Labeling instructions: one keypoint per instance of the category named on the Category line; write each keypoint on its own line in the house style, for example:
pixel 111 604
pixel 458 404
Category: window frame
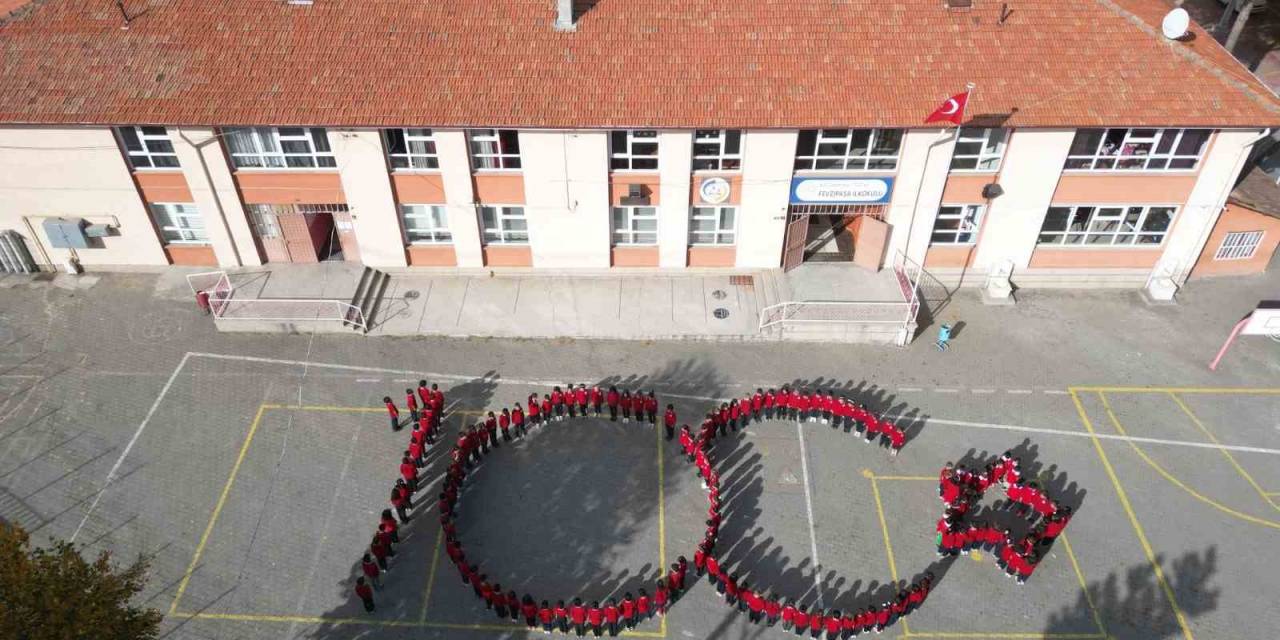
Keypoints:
pixel 975 222
pixel 721 157
pixel 1086 231
pixel 173 213
pixel 629 234
pixel 498 235
pixel 845 159
pixel 320 160
pixel 718 218
pixel 143 137
pixel 507 159
pixel 1250 240
pixel 431 158
pixel 434 234
pixel 628 155
pixel 1099 156
pixel 983 154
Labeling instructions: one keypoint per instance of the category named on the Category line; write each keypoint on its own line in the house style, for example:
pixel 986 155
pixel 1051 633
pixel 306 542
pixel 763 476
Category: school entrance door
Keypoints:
pixel 835 233
pixel 303 232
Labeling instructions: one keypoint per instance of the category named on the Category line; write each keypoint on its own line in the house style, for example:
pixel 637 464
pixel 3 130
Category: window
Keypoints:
pixel 713 225
pixel 957 224
pixel 504 225
pixel 494 148
pixel 279 148
pixel 1091 225
pixel 1136 149
pixel 633 150
pixel 411 149
pixel 717 150
pixel 635 225
pixel 978 149
pixel 426 223
pixel 179 223
pixel 148 147
pixel 848 149
pixel 1239 245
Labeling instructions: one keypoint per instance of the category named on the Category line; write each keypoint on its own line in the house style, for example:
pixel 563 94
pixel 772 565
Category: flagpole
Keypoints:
pixel 906 246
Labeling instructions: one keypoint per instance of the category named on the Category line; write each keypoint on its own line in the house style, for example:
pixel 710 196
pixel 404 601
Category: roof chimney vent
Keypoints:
pixel 959 4
pixel 564 15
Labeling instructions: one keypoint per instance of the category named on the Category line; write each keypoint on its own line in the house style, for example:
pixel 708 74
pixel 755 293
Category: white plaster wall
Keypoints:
pixel 204 165
pixel 362 168
pixel 566 192
pixel 675 169
pixel 1195 219
pixel 917 191
pixel 768 158
pixel 74 172
pixel 1032 164
pixel 459 196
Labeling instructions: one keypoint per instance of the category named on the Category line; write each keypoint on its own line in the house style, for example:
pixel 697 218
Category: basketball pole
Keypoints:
pixel 1213 366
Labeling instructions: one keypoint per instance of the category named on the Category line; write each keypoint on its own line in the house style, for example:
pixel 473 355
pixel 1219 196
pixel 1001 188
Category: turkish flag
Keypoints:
pixel 951 110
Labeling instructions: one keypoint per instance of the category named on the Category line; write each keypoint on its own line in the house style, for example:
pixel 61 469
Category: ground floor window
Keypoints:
pixel 713 225
pixel 957 224
pixel 504 225
pixel 1106 226
pixel 635 225
pixel 1239 245
pixel 426 224
pixel 179 223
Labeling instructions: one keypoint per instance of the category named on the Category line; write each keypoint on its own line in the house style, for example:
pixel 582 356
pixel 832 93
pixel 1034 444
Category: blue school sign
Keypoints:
pixel 841 190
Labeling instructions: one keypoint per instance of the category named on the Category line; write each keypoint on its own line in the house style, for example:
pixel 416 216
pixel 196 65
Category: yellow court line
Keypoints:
pixel 888 546
pixel 879 477
pixel 662 520
pixel 1230 458
pixel 217 509
pixel 1084 587
pixel 431 576
pixel 1176 482
pixel 374 622
pixel 1133 517
pixel 1260 391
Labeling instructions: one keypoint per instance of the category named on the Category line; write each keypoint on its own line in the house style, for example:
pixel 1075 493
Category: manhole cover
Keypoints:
pixel 718 294
pixel 411 294
pixel 721 313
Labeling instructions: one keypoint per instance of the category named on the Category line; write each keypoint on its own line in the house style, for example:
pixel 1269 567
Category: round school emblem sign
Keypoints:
pixel 714 190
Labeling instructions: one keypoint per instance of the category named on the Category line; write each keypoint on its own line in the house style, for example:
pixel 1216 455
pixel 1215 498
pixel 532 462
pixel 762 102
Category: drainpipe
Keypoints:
pixel 213 190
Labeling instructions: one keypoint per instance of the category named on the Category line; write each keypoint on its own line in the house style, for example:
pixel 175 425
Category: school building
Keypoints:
pixel 616 134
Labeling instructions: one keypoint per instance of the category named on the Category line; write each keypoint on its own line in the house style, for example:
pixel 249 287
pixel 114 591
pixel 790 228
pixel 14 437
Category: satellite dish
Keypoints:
pixel 1175 23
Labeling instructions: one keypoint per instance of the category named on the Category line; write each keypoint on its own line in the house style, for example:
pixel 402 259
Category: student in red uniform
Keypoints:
pixel 562 616
pixel 730 589
pixel 638 402
pixel 612 616
pixel 772 609
pixel 595 618
pixel 546 617
pixel 371 571
pixel 669 421
pixel 557 403
pixel 651 408
pixel 365 594
pixel 582 396
pixel 735 413
pixel 613 399
pixel 401 501
pixel 393 412
pixel 755 606
pixel 801 620
pixel 546 408
pixel 529 610
pixel 534 412
pixel 597 399
pixel 628 611
pixel 482 435
pixel 388 524
pixel 504 423
pixel 644 605
pixel 409 471
pixel 517 419
pixel 661 597
pixel 578 614
pixel 626 406
pixel 491 425
pixel 415 449
pixel 770 403
pixel 570 402
pixel 788 615
pixel 816 621
pixel 713 571
pixel 832 624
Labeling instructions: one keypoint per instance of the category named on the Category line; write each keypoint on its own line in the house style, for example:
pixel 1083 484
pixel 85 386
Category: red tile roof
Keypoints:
pixel 659 63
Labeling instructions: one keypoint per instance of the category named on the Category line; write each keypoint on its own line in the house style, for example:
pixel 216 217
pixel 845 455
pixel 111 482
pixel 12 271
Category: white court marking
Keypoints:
pixel 808 507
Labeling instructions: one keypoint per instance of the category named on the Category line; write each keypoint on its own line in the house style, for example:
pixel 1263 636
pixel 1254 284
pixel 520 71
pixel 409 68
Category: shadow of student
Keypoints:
pixel 1132 604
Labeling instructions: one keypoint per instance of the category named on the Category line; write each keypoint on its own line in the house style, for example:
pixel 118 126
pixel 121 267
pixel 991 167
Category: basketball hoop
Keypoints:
pixel 1262 321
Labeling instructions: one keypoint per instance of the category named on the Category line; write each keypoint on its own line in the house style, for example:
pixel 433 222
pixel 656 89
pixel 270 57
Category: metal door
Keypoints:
pixel 266 228
pixel 347 235
pixel 870 242
pixel 297 237
pixel 797 236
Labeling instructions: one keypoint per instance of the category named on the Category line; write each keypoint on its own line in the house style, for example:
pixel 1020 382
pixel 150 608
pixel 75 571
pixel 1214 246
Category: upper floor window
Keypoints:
pixel 504 225
pixel 148 147
pixel 1136 149
pixel 179 223
pixel 494 148
pixel 635 225
pixel 411 149
pixel 426 223
pixel 1092 225
pixel 279 147
pixel 957 224
pixel 717 150
pixel 978 149
pixel 633 150
pixel 848 149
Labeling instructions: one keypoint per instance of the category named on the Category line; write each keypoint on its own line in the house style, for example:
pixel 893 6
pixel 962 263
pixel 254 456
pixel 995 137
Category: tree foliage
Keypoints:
pixel 55 594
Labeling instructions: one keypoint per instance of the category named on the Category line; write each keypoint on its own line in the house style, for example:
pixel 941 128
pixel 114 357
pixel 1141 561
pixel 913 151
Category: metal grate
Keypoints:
pixel 1239 245
pixel 742 281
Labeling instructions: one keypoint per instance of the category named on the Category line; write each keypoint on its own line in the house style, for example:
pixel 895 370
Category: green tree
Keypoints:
pixel 55 594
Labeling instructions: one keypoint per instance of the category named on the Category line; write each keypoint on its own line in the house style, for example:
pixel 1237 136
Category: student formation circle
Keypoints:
pixel 959 530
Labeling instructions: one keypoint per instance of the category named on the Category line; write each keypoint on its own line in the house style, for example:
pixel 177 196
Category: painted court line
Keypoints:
pixel 111 475
pixel 1230 458
pixel 808 507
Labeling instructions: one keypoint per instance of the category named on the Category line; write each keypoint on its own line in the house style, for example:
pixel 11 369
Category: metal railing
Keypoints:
pixel 293 310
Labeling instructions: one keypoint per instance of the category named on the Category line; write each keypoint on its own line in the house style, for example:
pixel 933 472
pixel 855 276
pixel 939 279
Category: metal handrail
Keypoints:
pixel 346 311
